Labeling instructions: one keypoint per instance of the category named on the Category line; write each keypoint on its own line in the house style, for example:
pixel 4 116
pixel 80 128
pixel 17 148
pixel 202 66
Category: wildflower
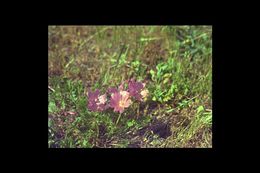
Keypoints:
pixel 120 100
pixel 96 102
pixel 135 89
pixel 102 102
pixel 102 99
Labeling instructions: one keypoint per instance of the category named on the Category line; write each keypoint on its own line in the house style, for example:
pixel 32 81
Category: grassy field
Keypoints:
pixel 171 64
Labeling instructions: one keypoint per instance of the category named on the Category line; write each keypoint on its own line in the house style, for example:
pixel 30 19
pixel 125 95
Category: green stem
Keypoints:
pixel 118 118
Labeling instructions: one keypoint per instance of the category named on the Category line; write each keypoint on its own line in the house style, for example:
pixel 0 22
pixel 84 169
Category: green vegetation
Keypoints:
pixel 174 62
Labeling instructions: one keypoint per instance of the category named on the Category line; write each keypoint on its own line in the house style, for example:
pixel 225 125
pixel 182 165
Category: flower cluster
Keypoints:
pixel 120 98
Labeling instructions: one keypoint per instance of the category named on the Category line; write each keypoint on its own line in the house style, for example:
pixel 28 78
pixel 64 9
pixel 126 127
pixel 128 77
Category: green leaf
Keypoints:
pixel 52 107
pixel 165 99
pixel 85 142
pixel 171 91
pixel 200 109
pixel 135 63
pixel 170 110
pixel 63 104
pixel 49 123
pixel 165 80
pixel 148 39
pixel 71 61
pixel 153 74
pixel 167 75
pixel 130 123
pixel 113 60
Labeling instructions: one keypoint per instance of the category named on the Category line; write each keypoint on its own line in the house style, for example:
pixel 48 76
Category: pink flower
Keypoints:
pixel 96 102
pixel 102 99
pixel 120 100
pixel 112 90
pixel 102 102
pixel 135 89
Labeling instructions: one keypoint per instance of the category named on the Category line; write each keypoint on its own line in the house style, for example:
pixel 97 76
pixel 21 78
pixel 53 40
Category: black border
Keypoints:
pixel 219 98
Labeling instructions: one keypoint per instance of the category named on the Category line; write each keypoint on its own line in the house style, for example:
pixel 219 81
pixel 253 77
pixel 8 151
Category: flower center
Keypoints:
pixel 121 104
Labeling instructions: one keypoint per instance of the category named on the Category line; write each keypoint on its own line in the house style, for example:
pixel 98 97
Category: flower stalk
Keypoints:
pixel 118 118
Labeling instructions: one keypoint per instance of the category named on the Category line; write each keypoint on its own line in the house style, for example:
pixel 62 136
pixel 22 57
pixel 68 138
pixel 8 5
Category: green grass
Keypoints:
pixel 176 63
